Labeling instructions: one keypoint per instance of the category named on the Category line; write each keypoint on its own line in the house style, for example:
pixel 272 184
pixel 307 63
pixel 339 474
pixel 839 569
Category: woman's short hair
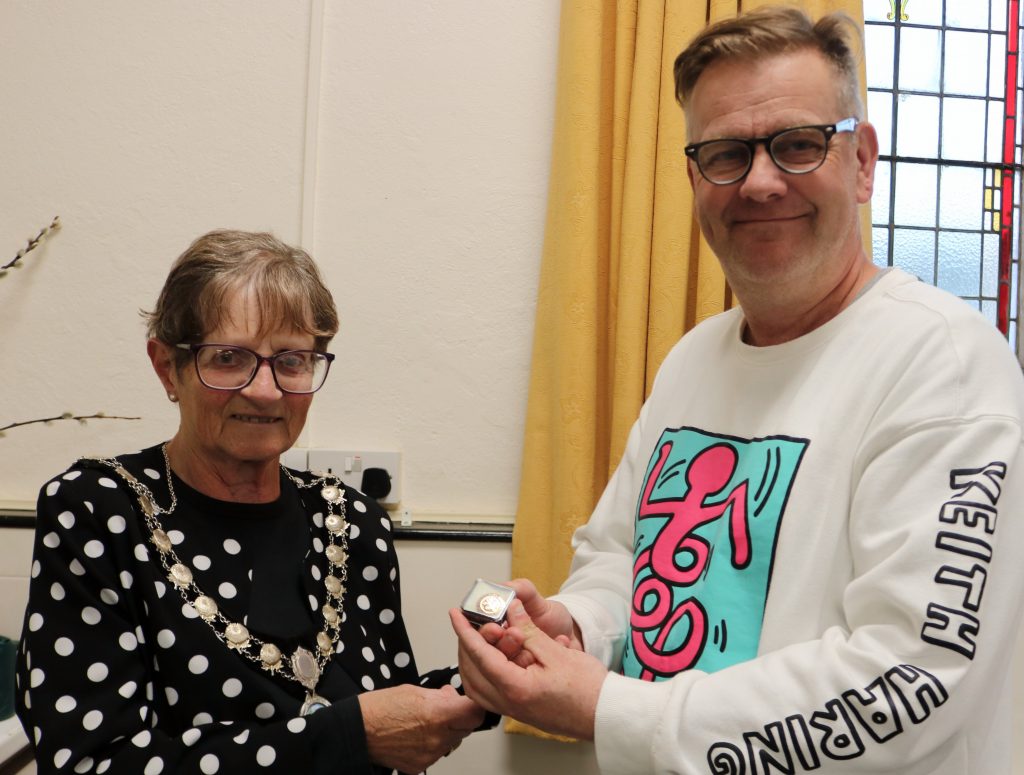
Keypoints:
pixel 284 280
pixel 769 31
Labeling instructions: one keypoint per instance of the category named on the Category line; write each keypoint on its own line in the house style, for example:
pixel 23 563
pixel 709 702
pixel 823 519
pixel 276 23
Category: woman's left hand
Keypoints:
pixel 409 727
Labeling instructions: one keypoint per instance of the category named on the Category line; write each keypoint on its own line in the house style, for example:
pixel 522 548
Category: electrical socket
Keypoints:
pixel 349 465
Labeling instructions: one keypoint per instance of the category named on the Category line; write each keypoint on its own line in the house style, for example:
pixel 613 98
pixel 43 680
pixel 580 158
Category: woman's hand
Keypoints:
pixel 409 727
pixel 550 617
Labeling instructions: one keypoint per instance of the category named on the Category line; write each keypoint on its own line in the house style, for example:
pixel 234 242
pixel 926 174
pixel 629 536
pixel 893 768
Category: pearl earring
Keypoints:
pixel 173 398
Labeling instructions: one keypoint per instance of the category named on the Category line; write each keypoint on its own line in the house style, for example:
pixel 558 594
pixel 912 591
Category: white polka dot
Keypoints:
pixel 152 474
pixel 139 636
pixel 35 621
pixel 198 664
pixel 318 545
pixel 265 756
pixel 318 519
pixel 315 573
pixel 393 574
pixel 127 641
pixel 264 710
pixel 61 757
pixel 190 736
pixel 401 659
pixel 52 487
pixel 38 566
pixel 76 567
pixel 363 602
pixel 176 536
pixel 387 616
pixel 160 588
pixel 84 765
pixel 65 704
pixel 56 591
pixel 64 646
pixel 126 580
pixel 116 524
pixel 367 683
pixel 385 671
pixel 312 603
pixel 231 546
pixel 92 720
pixel 72 475
pixel 209 764
pixel 189 611
pixel 154 766
pixel 51 540
pixel 103 767
pixel 456 680
pixel 91 615
pixel 340 647
pixel 382 544
pixel 171 694
pixel 128 690
pixel 66 519
pixel 94 549
pixel 227 590
pixel 165 639
pixel 201 718
pixel 36 678
pixel 360 507
pixel 370 573
pixel 241 737
pixel 367 653
pixel 201 562
pixel 108 483
pixel 353 531
pixel 232 687
pixel 109 596
pixel 88 505
pixel 296 724
pixel 97 672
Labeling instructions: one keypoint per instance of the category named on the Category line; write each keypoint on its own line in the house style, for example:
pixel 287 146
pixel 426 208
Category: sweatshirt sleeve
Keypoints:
pixel 87 692
pixel 912 677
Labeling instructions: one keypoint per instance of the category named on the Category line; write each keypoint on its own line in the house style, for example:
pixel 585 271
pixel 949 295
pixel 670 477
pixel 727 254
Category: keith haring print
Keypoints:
pixel 707 523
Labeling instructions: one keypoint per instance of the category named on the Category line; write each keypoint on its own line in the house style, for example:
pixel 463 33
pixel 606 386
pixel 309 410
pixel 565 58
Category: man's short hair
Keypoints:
pixel 769 31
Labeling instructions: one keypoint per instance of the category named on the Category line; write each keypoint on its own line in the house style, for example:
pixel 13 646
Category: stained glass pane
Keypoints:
pixel 880 246
pixel 961 198
pixel 990 264
pixel 879 40
pixel 994 137
pixel 880 114
pixel 917 132
pixel 959 263
pixel 920 52
pixel 877 11
pixel 996 67
pixel 927 12
pixel 880 195
pixel 963 129
pixel 988 309
pixel 913 250
pixel 998 16
pixel 967 13
pixel 966 63
pixel 916 187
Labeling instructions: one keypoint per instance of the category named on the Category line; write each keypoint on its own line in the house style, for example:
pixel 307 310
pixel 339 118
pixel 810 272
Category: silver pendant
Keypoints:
pixel 305 669
pixel 313 703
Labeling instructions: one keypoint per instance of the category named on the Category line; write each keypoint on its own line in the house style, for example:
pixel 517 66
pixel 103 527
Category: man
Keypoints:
pixel 807 559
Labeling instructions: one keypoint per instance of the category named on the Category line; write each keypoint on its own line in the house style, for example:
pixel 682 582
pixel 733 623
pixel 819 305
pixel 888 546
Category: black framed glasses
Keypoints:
pixel 797 150
pixel 230 367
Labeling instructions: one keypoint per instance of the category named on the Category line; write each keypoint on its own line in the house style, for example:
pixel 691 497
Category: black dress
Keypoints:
pixel 118 674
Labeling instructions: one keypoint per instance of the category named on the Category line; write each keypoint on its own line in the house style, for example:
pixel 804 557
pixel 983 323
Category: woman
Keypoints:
pixel 197 608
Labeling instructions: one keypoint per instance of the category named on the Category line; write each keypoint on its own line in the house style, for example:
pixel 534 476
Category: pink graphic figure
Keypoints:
pixel 708 473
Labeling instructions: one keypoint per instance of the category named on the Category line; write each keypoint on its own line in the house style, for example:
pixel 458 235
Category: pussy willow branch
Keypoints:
pixel 66 416
pixel 32 245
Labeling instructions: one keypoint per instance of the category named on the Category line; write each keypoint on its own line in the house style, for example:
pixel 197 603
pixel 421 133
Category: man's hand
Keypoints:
pixel 409 728
pixel 544 684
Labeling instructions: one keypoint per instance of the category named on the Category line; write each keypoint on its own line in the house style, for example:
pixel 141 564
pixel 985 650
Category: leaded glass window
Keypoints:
pixel 944 86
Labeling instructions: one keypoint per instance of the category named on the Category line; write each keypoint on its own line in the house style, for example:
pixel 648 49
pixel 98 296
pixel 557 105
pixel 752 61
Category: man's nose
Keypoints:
pixel 765 180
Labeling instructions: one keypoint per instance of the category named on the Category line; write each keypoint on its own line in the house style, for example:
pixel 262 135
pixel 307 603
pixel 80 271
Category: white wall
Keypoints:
pixel 421 193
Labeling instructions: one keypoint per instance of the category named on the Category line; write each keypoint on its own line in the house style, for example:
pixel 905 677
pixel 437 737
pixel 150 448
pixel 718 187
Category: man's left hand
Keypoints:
pixel 557 691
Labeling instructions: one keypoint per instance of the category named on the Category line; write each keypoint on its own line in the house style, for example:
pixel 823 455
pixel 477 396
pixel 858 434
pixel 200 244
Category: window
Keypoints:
pixel 944 86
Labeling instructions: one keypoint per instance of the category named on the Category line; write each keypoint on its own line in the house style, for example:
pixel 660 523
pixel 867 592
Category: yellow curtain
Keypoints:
pixel 624 271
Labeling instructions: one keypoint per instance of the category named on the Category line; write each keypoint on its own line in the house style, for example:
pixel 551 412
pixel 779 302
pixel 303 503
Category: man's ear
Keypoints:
pixel 867 157
pixel 162 358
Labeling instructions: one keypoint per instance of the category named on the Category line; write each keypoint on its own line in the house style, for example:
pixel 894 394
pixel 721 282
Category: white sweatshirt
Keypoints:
pixel 823 541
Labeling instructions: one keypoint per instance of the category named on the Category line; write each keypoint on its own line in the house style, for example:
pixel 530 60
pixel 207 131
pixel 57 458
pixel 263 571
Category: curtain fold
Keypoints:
pixel 624 271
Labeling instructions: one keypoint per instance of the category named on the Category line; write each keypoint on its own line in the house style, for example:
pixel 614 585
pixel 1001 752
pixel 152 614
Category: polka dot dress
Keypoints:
pixel 117 674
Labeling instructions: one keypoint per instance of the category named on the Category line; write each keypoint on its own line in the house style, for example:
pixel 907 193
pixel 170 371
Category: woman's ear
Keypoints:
pixel 162 357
